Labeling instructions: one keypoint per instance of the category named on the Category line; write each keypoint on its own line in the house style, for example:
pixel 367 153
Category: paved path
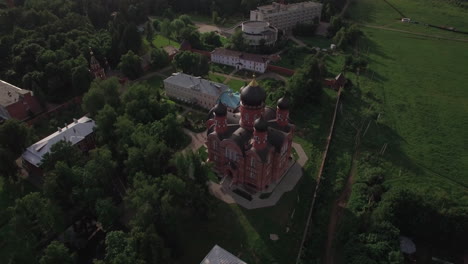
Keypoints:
pixel 198 140
pixel 288 182
pixel 299 42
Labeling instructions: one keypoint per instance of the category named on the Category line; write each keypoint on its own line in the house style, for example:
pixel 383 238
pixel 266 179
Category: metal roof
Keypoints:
pixel 197 84
pixel 73 133
pixel 218 255
pixel 230 99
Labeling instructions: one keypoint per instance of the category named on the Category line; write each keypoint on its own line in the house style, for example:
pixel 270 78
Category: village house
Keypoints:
pixel 240 60
pixel 219 255
pixel 17 103
pixel 80 133
pixel 252 147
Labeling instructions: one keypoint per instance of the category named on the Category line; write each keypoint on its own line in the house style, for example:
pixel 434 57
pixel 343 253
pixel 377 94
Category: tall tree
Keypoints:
pixel 130 64
pixel 56 253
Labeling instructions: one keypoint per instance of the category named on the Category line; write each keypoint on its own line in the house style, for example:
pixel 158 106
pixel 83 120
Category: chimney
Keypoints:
pixel 65 125
pixel 75 121
pixel 59 129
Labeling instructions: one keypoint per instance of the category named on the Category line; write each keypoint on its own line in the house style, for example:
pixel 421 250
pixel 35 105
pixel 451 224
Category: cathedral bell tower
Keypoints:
pixel 252 104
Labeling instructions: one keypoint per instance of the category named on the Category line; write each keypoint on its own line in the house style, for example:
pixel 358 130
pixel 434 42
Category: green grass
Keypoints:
pixel 293 59
pixel 316 41
pixel 436 12
pixel 216 78
pixel 236 84
pixel 154 82
pixel 424 106
pixel 160 42
pixel 226 69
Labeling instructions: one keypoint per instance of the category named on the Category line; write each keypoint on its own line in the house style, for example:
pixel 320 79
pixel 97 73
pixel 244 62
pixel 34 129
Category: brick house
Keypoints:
pixel 80 134
pixel 252 147
pixel 17 103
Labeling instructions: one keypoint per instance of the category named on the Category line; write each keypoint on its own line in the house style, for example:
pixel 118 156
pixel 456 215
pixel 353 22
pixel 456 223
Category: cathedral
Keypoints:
pixel 252 146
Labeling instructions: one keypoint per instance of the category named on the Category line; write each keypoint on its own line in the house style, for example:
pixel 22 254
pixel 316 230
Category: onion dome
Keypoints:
pixel 253 94
pixel 283 103
pixel 261 124
pixel 220 109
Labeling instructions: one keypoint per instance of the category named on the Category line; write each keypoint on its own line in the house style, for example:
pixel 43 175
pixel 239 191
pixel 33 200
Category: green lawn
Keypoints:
pixel 293 58
pixel 226 69
pixel 436 12
pixel 236 84
pixel 216 78
pixel 424 106
pixel 160 42
pixel 316 41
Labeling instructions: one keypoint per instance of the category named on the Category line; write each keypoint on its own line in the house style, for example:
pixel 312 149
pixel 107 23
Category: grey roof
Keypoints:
pixel 241 55
pixel 218 255
pixel 197 84
pixel 73 133
pixel 10 94
pixel 276 138
pixel 242 137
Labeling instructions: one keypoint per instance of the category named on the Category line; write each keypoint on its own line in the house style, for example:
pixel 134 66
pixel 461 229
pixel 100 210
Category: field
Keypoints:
pixel 316 41
pixel 160 42
pixel 235 84
pixel 216 78
pixel 420 81
pixel 435 12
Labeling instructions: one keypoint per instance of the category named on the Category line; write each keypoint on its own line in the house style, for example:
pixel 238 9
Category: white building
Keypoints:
pixel 193 89
pixel 80 133
pixel 285 17
pixel 256 31
pixel 240 60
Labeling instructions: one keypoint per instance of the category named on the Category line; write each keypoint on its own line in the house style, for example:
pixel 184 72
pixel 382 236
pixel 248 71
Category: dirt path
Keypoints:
pixel 337 212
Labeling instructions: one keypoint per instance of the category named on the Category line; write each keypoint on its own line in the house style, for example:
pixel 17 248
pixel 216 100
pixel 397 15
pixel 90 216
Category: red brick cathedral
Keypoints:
pixel 251 147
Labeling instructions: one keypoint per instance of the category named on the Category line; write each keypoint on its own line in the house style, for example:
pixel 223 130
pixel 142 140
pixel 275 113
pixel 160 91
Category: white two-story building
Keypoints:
pixel 240 60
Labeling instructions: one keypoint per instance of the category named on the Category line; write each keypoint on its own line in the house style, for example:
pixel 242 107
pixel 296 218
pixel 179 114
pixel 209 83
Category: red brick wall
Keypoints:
pixel 280 70
pixel 21 109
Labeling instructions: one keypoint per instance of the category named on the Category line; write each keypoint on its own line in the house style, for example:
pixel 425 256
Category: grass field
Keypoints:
pixel 436 12
pixel 316 41
pixel 236 84
pixel 160 42
pixel 421 84
pixel 216 78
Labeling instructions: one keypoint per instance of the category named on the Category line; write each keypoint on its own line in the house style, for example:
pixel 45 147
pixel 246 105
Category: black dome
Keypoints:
pixel 220 109
pixel 283 103
pixel 253 94
pixel 260 124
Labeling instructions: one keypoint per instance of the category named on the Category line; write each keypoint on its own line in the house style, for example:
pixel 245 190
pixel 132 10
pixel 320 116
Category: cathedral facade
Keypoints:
pixel 251 147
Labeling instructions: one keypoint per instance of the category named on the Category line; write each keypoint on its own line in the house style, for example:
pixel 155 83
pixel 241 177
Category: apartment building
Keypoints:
pixel 286 16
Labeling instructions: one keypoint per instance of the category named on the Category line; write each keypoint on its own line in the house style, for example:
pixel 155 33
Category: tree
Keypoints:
pixel 14 138
pixel 166 28
pixel 186 19
pixel 149 32
pixel 102 92
pixel 62 151
pixel 105 120
pixel 157 25
pixel 56 253
pixel 131 39
pixel 107 213
pixel 159 58
pixel 211 40
pixel 306 84
pixel 81 80
pixel 120 249
pixel 130 65
pixel 191 63
pixel 237 41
